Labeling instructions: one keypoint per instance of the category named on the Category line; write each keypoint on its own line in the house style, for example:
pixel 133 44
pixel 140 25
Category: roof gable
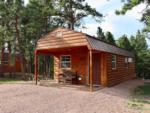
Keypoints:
pixel 62 38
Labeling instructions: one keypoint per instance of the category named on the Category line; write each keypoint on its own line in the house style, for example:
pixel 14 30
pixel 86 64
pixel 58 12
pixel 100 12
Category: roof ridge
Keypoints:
pixel 106 42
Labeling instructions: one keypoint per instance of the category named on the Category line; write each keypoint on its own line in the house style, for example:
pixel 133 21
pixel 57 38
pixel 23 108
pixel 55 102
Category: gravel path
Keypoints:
pixel 25 98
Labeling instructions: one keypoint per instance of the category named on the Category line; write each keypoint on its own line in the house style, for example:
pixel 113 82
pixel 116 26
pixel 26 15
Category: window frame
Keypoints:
pixel 115 62
pixel 64 61
pixel 5 59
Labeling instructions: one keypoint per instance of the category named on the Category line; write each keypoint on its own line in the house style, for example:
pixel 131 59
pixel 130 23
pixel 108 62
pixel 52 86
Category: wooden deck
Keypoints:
pixel 53 83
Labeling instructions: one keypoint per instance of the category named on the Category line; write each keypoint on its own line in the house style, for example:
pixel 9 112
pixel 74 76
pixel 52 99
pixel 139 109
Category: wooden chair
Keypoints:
pixel 61 78
pixel 67 76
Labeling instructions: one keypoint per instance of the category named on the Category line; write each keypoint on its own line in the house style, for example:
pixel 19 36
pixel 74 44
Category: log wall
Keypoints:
pixel 10 68
pixel 79 63
pixel 121 73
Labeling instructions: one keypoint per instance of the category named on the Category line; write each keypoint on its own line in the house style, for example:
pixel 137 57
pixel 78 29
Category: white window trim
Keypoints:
pixel 61 60
pixel 114 62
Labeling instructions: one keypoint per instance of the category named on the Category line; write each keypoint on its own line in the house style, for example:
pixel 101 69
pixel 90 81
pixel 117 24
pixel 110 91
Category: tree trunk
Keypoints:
pixel 31 62
pixel 18 43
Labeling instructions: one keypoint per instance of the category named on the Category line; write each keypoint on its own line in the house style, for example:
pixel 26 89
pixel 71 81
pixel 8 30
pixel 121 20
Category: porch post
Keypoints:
pixel 91 71
pixel 36 67
pixel 45 75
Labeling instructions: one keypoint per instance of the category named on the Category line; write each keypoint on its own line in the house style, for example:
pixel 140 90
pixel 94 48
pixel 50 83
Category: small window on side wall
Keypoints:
pixel 130 60
pixel 65 61
pixel 126 62
pixel 114 62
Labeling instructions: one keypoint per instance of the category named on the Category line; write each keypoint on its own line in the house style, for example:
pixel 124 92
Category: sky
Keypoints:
pixel 118 25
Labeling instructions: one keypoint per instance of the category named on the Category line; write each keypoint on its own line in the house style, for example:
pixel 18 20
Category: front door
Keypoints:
pixel 96 68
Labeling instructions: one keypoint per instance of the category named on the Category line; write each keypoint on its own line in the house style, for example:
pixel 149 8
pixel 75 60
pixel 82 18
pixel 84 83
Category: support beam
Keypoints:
pixel 45 74
pixel 91 71
pixel 36 67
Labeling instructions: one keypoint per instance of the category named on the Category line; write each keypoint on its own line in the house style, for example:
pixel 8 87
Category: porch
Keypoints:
pixel 79 87
pixel 88 66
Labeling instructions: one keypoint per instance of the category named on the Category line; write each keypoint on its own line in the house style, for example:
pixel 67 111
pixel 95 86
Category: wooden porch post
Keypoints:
pixel 45 75
pixel 91 71
pixel 36 67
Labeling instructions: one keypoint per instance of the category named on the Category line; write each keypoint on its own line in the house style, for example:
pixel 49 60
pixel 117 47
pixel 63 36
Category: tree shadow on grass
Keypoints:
pixel 141 98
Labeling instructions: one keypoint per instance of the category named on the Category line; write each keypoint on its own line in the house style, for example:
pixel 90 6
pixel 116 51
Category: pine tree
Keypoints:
pixel 110 38
pixel 142 55
pixel 100 34
pixel 71 12
pixel 124 42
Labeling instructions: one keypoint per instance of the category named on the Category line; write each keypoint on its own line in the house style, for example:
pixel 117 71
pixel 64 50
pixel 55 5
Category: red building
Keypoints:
pixel 10 62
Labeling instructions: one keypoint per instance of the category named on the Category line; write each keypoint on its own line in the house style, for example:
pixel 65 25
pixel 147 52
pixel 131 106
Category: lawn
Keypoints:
pixel 141 98
pixel 9 81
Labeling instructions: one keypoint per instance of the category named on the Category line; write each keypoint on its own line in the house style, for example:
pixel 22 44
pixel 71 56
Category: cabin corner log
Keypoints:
pixel 91 71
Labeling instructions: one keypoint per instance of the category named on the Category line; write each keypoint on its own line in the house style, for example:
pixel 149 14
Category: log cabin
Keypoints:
pixel 97 62
pixel 10 63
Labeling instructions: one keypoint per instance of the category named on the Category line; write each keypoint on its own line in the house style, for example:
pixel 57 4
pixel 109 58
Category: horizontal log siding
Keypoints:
pixel 121 73
pixel 68 39
pixel 79 62
pixel 10 68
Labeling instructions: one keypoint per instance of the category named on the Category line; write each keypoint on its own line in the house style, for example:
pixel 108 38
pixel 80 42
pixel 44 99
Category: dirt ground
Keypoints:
pixel 29 98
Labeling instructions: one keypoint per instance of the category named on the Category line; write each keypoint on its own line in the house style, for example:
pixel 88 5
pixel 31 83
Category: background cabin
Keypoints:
pixel 94 61
pixel 10 62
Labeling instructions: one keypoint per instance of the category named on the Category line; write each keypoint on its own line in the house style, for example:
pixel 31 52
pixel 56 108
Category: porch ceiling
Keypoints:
pixel 61 50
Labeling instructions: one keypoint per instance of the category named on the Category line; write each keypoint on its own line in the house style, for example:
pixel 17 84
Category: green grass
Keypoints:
pixel 9 81
pixel 142 91
pixel 141 98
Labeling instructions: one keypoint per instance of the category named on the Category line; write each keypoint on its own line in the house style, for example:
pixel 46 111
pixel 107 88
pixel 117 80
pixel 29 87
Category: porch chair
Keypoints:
pixel 67 76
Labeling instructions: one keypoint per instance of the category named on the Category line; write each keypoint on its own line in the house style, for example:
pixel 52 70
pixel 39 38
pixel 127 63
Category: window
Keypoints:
pixel 6 57
pixel 126 62
pixel 130 60
pixel 59 34
pixel 6 53
pixel 113 61
pixel 65 61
